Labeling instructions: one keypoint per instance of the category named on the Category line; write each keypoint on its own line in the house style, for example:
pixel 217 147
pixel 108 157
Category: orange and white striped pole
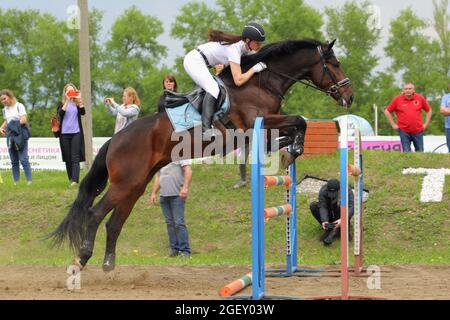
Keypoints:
pixel 236 285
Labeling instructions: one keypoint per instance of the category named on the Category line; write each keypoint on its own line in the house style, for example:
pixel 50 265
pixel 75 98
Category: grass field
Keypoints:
pixel 398 228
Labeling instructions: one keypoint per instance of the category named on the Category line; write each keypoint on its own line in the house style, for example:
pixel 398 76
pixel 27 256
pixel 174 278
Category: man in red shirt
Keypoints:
pixel 408 109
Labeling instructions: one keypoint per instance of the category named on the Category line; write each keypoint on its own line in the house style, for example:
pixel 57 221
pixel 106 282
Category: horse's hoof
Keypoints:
pixel 240 184
pixel 108 267
pixel 286 159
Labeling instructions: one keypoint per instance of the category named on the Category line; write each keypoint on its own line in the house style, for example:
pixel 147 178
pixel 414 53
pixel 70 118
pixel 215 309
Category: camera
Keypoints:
pixel 329 226
pixel 73 93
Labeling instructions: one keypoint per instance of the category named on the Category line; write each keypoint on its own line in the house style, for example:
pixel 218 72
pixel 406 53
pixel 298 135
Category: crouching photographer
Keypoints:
pixel 327 210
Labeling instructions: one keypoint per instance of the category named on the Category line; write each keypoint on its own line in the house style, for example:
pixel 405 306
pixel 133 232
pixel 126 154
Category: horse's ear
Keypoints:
pixel 330 46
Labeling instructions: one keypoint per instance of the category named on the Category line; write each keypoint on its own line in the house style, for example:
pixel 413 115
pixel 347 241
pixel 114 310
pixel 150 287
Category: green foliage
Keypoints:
pixel 293 19
pixel 40 55
pixel 356 40
pixel 104 121
pixel 131 55
pixel 441 25
pixel 413 53
pixel 191 30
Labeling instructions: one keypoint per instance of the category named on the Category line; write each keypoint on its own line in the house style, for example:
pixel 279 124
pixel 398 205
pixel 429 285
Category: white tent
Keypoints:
pixel 356 122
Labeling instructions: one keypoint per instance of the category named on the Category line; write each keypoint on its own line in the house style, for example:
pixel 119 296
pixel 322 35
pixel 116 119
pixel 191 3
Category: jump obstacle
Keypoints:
pixel 259 182
pixel 260 215
pixel 356 171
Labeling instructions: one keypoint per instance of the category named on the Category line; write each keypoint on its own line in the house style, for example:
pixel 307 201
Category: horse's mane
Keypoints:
pixel 274 50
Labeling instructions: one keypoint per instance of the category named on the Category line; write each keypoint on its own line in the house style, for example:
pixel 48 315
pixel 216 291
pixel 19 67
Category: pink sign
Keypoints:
pixel 379 145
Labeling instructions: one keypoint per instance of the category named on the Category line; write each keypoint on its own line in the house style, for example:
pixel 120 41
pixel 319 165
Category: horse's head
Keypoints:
pixel 328 75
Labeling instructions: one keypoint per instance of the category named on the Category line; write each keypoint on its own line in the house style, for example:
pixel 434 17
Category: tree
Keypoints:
pixel 132 52
pixel 356 38
pixel 414 55
pixel 441 26
pixel 40 55
pixel 15 49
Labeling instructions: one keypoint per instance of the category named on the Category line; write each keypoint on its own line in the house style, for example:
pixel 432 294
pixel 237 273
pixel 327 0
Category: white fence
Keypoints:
pixel 43 153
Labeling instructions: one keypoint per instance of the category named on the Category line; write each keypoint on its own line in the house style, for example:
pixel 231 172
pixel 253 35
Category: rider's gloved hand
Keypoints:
pixel 260 66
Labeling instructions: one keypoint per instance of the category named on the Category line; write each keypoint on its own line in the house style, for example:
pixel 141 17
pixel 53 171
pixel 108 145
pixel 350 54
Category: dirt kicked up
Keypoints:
pixel 185 282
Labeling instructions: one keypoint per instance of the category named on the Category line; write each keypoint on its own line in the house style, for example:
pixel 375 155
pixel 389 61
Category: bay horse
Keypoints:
pixel 132 156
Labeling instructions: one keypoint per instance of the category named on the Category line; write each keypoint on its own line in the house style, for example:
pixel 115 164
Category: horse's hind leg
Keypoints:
pixel 293 129
pixel 96 215
pixel 113 228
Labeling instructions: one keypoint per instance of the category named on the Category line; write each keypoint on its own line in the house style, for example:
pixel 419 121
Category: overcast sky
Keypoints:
pixel 167 10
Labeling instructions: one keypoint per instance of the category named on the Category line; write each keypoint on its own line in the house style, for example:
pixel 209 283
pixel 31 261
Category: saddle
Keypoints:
pixel 184 109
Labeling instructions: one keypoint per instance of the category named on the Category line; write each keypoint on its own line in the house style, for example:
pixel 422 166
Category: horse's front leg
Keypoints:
pixel 292 131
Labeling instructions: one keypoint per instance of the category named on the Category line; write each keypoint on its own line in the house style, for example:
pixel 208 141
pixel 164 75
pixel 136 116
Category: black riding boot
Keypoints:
pixel 208 109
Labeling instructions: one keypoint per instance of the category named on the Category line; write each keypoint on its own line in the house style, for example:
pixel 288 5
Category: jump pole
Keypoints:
pixel 343 152
pixel 356 170
pixel 257 187
pixel 260 215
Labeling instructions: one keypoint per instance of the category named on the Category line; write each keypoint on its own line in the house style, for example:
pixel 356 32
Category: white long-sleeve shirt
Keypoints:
pixel 124 114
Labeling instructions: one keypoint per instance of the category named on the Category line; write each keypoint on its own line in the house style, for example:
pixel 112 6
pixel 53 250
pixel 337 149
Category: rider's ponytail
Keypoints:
pixel 223 37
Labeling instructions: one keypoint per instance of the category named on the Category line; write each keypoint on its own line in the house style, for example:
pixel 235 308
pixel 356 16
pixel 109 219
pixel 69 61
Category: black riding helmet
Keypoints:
pixel 254 31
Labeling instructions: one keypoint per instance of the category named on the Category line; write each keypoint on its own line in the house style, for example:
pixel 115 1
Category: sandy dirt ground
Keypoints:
pixel 187 282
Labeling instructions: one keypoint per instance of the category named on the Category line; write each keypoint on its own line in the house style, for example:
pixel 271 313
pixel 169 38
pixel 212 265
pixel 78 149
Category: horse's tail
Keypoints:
pixel 74 225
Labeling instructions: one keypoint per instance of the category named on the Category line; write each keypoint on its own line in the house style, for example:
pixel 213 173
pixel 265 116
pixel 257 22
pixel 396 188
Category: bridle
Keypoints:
pixel 333 89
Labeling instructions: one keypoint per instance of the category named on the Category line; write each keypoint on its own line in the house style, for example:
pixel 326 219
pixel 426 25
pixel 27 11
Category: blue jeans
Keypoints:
pixel 173 210
pixel 407 138
pixel 447 134
pixel 22 156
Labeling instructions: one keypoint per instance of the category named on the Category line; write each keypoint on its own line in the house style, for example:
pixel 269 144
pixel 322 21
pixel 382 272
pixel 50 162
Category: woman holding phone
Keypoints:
pixel 71 138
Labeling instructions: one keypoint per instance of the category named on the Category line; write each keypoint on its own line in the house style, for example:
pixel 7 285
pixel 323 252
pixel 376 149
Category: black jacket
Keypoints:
pixel 328 209
pixel 162 103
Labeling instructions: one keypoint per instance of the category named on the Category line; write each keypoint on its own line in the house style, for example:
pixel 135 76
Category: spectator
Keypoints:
pixel 407 108
pixel 327 210
pixel 227 49
pixel 127 112
pixel 445 111
pixel 16 130
pixel 169 83
pixel 174 180
pixel 71 138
